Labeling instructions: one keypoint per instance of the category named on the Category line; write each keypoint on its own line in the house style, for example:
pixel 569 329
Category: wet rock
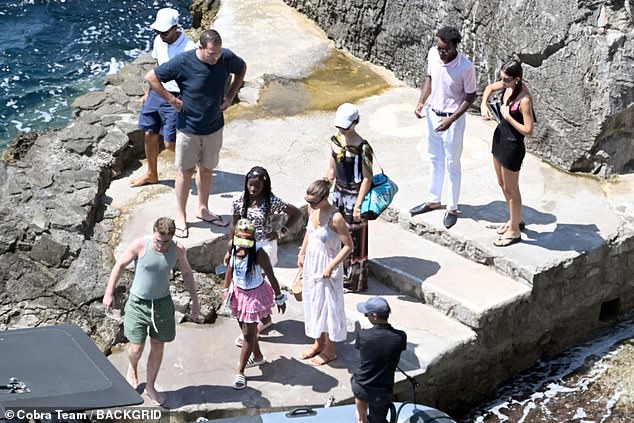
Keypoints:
pixel 19 147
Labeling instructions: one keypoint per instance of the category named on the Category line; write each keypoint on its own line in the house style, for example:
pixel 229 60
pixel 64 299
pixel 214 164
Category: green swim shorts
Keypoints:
pixel 138 319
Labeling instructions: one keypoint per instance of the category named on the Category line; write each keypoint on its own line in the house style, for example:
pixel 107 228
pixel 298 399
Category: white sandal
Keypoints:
pixel 239 382
pixel 252 363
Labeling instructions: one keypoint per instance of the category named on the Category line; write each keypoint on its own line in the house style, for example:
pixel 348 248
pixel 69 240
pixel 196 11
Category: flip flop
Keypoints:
pixel 215 220
pixel 322 359
pixel 500 230
pixel 505 242
pixel 182 232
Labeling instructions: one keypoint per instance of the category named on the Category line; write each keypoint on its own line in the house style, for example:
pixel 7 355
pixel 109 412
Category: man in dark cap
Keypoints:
pixel 380 349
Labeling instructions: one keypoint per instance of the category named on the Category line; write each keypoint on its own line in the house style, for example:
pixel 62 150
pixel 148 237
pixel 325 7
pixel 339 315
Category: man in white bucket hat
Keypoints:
pixel 158 117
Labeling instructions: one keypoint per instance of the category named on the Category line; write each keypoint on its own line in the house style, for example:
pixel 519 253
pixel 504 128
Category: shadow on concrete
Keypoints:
pixel 496 212
pixel 223 183
pixel 210 394
pixel 409 360
pixel 567 237
pixel 167 182
pixel 416 267
pixel 194 222
pixel 293 372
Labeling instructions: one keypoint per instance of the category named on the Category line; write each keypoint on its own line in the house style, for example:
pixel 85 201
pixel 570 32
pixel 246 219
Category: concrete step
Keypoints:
pixel 460 288
pixel 198 367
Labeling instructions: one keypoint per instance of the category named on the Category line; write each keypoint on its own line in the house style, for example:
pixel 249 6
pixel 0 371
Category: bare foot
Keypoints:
pixel 143 180
pixel 156 397
pixel 131 377
pixel 309 352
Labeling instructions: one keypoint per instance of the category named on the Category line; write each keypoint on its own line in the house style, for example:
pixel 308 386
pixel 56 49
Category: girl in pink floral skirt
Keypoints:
pixel 249 296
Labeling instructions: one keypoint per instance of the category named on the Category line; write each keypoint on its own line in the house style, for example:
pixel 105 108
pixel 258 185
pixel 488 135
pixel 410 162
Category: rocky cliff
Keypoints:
pixel 579 62
pixel 56 228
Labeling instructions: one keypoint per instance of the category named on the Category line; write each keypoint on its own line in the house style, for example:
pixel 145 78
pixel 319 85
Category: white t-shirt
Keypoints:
pixel 449 81
pixel 163 52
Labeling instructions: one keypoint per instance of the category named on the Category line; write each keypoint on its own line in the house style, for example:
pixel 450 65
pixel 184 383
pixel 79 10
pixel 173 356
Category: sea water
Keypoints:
pixel 55 50
pixel 589 383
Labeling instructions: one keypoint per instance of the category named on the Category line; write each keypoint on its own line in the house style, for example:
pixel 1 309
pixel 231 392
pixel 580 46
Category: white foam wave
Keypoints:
pixel 115 66
pixel 20 126
pixel 45 116
pixel 546 379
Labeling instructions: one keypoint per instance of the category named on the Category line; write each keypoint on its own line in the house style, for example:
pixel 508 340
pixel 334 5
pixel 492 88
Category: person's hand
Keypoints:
pixel 505 111
pixel 195 312
pixel 445 123
pixel 280 302
pixel 225 104
pixel 419 110
pixel 356 214
pixel 108 301
pixel 225 260
pixel 328 272
pixel 177 103
pixel 485 112
pixel 300 260
pixel 143 99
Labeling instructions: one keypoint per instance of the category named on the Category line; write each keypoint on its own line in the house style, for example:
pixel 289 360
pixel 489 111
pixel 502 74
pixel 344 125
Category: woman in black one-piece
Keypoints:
pixel 508 144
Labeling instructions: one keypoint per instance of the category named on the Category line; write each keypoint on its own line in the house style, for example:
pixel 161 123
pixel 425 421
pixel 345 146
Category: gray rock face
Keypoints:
pixel 578 62
pixel 55 228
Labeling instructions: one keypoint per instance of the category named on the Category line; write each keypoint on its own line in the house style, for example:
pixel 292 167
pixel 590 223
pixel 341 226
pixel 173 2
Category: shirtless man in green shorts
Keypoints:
pixel 150 306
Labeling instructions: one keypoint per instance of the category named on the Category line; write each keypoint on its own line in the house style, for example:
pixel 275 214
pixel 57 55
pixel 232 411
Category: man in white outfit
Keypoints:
pixel 158 116
pixel 450 87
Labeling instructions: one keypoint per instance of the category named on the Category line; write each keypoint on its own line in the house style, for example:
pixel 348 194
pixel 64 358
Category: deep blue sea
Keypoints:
pixel 55 50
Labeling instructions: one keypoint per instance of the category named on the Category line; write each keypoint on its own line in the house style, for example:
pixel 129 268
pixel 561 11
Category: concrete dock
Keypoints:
pixel 452 290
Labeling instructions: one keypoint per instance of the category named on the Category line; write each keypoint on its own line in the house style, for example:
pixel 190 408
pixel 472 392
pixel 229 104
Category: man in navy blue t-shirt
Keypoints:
pixel 201 75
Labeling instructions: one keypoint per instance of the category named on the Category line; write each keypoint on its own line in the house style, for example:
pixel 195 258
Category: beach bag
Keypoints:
pixel 379 197
pixel 298 285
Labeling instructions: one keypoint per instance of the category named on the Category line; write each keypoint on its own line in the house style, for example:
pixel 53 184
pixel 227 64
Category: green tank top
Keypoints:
pixel 152 272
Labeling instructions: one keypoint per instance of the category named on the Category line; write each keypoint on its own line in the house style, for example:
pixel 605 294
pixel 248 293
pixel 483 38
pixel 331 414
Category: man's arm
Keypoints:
pixel 188 278
pixel 155 84
pixel 131 253
pixel 236 83
pixel 425 92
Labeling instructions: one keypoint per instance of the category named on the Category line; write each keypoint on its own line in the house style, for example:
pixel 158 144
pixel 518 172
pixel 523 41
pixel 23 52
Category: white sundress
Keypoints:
pixel 324 309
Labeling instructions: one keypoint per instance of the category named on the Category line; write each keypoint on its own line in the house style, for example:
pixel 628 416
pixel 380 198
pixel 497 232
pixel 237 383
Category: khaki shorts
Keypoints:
pixel 138 319
pixel 203 150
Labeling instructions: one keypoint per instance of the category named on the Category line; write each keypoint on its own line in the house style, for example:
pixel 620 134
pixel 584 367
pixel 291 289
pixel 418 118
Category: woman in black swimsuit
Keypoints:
pixel 508 143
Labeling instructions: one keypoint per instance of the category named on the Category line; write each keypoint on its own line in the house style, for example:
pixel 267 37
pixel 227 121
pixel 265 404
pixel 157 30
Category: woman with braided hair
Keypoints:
pixel 258 204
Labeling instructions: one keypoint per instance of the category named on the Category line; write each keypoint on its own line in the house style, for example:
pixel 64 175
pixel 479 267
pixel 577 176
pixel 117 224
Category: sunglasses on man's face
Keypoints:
pixel 164 33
